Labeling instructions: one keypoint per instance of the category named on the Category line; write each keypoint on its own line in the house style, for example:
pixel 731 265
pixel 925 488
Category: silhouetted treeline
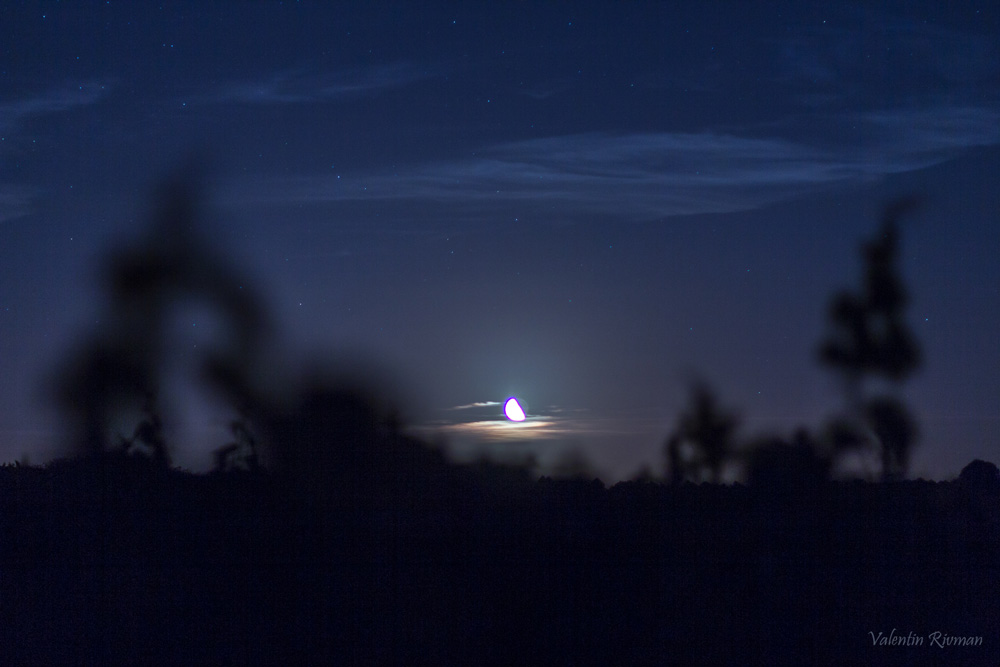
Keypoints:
pixel 128 563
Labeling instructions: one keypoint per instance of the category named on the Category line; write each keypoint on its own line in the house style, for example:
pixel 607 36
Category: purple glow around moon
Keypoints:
pixel 513 410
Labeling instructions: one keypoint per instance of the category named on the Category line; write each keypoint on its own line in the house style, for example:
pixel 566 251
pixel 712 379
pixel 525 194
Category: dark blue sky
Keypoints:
pixel 580 204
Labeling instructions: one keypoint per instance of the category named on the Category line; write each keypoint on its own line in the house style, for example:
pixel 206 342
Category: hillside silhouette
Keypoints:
pixel 328 535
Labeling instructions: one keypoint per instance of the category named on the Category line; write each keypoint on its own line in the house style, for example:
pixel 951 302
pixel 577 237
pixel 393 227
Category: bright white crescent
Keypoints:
pixel 513 410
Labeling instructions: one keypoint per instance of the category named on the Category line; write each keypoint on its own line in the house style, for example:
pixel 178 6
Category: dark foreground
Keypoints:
pixel 124 563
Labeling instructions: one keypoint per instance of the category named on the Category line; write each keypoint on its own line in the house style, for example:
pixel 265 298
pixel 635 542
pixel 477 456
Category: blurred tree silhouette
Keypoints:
pixel 122 366
pixel 870 341
pixel 703 439
pixel 676 471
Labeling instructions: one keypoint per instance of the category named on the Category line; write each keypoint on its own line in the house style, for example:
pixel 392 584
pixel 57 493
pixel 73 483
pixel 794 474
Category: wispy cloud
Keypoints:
pixel 549 88
pixel 498 430
pixel 833 62
pixel 935 132
pixel 15 202
pixel 62 98
pixel 300 87
pixel 483 422
pixel 480 404
pixel 542 427
pixel 655 175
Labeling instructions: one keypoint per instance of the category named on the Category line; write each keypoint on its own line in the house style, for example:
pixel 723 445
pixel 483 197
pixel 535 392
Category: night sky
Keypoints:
pixel 585 205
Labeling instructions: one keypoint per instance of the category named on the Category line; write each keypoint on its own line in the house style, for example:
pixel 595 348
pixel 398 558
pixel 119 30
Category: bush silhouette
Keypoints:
pixel 980 474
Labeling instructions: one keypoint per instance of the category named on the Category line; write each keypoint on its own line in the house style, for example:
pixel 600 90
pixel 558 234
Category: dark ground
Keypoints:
pixel 123 562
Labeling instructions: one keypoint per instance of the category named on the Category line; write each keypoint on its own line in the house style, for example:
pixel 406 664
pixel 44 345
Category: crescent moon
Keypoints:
pixel 513 410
